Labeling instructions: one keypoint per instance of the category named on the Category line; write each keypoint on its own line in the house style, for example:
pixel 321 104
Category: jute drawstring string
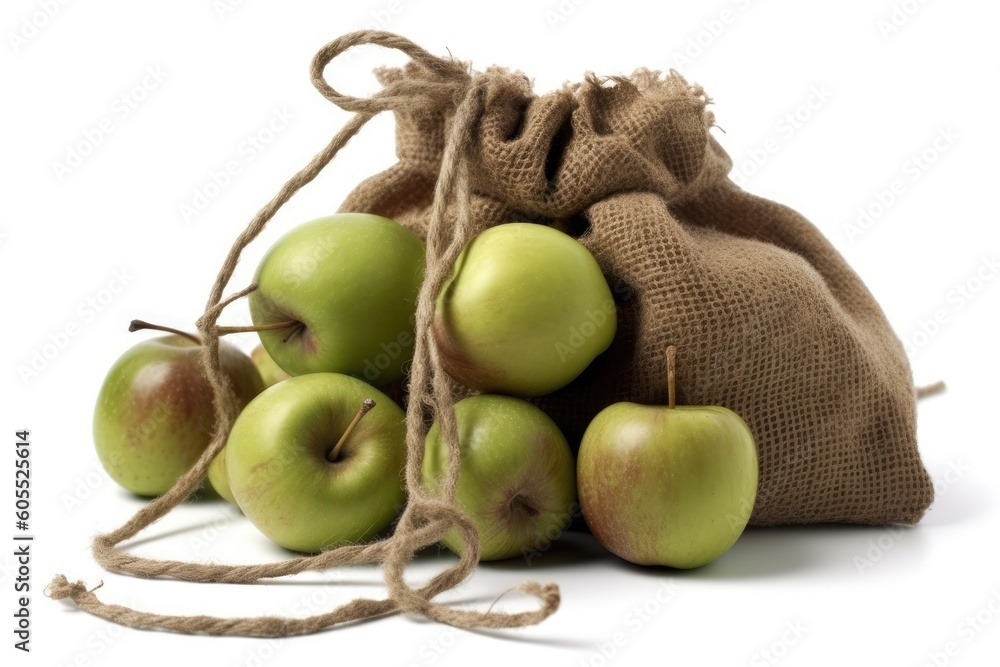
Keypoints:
pixel 455 89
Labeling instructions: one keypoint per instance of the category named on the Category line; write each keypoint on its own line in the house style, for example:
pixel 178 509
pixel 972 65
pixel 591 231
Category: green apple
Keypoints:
pixel 308 471
pixel 271 374
pixel 154 415
pixel 524 312
pixel 667 485
pixel 347 285
pixel 218 477
pixel 516 479
pixel 269 371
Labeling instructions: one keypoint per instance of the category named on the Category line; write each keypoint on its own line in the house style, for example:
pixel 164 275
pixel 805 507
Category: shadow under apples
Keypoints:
pixel 569 549
pixel 214 522
pixel 204 494
pixel 781 551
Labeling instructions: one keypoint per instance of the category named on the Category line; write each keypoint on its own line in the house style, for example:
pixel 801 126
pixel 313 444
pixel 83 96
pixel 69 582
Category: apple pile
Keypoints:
pixel 316 456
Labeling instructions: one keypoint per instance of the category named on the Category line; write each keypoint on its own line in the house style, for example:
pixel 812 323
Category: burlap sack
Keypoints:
pixel 768 318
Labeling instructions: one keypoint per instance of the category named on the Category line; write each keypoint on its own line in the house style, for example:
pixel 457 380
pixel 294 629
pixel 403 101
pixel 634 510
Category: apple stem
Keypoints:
pixel 139 325
pixel 366 407
pixel 223 331
pixel 294 331
pixel 671 377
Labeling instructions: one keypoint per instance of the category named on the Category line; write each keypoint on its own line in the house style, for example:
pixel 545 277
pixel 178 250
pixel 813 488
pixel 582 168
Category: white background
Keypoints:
pixel 853 595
